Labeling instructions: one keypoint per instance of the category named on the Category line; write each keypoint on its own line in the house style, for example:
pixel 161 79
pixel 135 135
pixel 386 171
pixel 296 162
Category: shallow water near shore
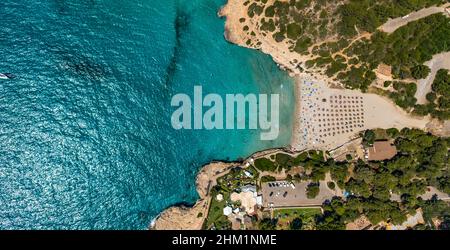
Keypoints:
pixel 86 140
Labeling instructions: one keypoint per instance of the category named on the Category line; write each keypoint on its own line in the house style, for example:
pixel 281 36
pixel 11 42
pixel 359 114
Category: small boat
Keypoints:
pixel 6 76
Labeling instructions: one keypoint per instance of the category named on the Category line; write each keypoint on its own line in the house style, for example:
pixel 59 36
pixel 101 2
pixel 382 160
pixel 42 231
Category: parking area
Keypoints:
pixel 289 194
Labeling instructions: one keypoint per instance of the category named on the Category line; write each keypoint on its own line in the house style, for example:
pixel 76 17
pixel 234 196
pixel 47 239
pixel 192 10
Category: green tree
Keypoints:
pixel 296 224
pixel 268 224
pixel 420 71
pixel 265 164
pixel 441 83
pixel 392 132
pixel 369 137
pixel 312 190
pixel 267 178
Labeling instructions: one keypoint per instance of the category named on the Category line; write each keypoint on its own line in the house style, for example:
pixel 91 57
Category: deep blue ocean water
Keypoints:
pixel 85 134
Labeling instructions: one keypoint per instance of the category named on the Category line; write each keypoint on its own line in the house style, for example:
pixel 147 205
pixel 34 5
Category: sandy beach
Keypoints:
pixel 327 118
pixel 234 33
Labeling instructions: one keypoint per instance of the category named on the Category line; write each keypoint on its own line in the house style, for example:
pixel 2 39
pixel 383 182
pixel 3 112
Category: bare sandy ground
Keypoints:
pixel 358 224
pixel 353 148
pixel 393 24
pixel 321 123
pixel 187 218
pixel 439 61
pixel 439 129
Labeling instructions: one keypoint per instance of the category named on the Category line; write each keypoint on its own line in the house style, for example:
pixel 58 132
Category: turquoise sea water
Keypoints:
pixel 85 135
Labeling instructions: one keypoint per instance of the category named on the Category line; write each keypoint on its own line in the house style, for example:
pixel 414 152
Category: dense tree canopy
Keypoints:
pixel 422 161
pixel 312 190
pixel 420 71
pixel 439 99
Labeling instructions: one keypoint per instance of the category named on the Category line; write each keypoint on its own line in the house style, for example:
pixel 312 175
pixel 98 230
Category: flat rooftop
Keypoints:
pixel 381 150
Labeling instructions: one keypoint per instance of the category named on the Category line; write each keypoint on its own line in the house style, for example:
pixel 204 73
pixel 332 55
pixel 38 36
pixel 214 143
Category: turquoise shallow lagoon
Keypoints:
pixel 85 134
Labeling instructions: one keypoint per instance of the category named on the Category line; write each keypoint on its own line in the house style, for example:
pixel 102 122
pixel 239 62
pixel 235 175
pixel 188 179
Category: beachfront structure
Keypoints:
pixel 384 70
pixel 259 200
pixel 248 174
pixel 248 188
pixel 227 210
pixel 247 199
pixel 381 150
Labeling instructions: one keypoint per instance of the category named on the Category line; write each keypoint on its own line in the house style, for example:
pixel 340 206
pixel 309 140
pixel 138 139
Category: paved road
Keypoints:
pixel 297 197
pixel 427 196
pixel 393 24
pixel 439 61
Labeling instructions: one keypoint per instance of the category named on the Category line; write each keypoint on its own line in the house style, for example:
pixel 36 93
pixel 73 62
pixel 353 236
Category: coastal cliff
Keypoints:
pixel 191 218
pixel 246 31
pixel 242 30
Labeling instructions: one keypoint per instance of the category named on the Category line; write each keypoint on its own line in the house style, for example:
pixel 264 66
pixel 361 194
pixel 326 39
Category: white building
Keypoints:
pixel 248 188
pixel 227 210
